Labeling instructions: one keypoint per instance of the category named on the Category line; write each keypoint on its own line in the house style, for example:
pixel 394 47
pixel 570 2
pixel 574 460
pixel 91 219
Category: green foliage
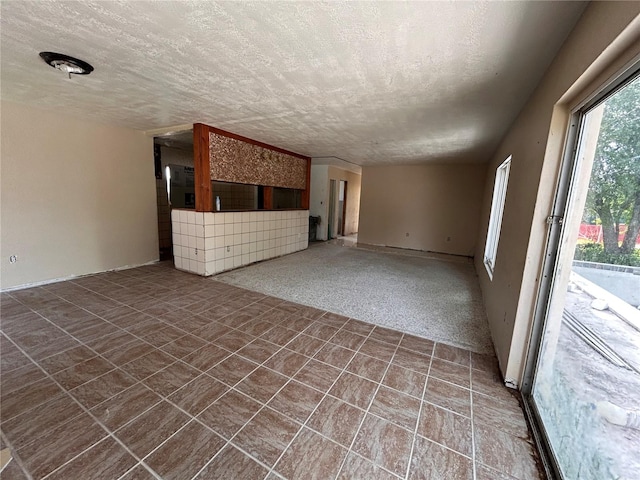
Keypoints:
pixel 614 189
pixel 594 252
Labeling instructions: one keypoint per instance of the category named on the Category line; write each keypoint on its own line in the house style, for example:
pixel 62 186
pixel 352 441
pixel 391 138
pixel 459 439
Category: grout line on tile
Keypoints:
pixel 415 431
pixel 87 411
pixel 235 297
pixel 143 465
pixel 264 405
pixel 325 395
pixel 373 397
pixel 473 428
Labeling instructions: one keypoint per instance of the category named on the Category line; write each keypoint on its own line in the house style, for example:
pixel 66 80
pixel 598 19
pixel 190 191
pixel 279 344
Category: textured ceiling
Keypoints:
pixel 368 82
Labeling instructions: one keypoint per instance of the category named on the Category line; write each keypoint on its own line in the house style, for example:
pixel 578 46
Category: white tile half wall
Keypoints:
pixel 207 243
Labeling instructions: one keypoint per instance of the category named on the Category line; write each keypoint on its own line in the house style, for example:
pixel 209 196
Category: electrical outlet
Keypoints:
pixel 13 259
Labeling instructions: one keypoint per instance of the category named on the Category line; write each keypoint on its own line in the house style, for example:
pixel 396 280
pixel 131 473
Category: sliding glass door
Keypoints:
pixel 584 392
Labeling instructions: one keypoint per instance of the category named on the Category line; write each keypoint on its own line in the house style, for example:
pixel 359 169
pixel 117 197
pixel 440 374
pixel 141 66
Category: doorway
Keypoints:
pixel 331 232
pixel 582 383
pixel 163 203
pixel 342 207
pixel 174 173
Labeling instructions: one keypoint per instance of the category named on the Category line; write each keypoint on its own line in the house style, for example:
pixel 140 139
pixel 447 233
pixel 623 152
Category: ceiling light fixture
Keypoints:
pixel 67 64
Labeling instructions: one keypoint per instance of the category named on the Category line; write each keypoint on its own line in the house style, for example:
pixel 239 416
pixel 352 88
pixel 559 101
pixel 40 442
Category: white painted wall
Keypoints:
pixel 77 197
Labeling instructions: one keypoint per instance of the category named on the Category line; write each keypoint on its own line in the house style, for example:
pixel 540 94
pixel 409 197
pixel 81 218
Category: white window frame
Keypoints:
pixel 495 220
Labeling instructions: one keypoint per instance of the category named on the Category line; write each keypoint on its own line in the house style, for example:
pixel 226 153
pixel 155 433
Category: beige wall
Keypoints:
pixel 77 197
pixel 535 140
pixel 438 206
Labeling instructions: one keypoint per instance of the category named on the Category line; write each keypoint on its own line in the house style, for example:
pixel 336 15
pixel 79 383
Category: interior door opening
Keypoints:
pixel 175 188
pixel 342 207
pixel 331 233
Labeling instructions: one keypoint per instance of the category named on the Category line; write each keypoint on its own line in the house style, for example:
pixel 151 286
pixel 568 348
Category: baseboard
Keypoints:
pixel 73 277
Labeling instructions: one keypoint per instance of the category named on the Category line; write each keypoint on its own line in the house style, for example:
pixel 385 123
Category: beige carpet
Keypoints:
pixel 437 298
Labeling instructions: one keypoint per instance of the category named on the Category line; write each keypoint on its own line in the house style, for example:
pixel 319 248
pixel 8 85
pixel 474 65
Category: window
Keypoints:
pixel 495 221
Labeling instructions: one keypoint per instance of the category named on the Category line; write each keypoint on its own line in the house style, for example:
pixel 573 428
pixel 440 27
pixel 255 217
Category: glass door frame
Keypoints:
pixel 567 174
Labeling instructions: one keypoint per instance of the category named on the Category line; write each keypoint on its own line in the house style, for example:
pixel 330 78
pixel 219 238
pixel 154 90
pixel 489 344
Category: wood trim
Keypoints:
pixel 267 193
pixel 306 193
pixel 202 171
pixel 251 141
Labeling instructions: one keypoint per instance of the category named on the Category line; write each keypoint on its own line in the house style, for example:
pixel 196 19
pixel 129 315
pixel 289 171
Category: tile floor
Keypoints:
pixel 153 373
